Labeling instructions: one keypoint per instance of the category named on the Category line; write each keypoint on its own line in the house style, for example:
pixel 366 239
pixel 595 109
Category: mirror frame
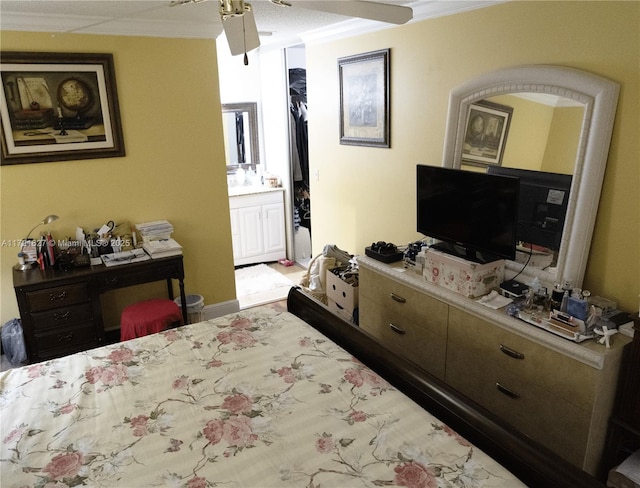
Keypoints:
pixel 599 97
pixel 252 108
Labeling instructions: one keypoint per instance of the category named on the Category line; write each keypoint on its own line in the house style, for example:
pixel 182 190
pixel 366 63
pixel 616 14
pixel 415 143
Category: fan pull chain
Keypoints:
pixel 244 39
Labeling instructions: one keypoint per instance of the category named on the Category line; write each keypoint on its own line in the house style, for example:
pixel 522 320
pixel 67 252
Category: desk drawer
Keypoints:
pixel 53 343
pixel 129 275
pixel 63 316
pixel 58 297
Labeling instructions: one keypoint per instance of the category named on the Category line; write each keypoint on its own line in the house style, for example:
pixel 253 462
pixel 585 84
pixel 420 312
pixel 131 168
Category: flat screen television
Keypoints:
pixel 474 215
pixel 542 206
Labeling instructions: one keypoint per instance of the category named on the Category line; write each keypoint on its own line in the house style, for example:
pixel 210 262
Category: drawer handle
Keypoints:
pixel 65 337
pixel 396 329
pixel 506 391
pixel 510 352
pixel 60 296
pixel 398 298
pixel 111 281
pixel 61 316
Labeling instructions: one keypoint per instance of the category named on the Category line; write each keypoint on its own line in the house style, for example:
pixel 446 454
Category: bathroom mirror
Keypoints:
pixel 598 97
pixel 240 126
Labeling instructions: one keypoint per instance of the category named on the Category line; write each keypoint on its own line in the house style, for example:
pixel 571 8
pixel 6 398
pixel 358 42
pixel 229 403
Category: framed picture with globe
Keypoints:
pixel 58 107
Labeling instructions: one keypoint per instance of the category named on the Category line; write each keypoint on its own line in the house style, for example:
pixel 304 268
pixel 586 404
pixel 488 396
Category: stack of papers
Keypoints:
pixel 162 248
pixel 156 230
pixel 126 257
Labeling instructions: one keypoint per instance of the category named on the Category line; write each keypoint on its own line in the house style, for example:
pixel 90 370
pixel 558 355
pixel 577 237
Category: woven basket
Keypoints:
pixel 321 296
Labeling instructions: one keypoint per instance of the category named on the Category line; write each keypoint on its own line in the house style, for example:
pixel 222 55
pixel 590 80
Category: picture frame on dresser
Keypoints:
pixel 58 107
pixel 365 98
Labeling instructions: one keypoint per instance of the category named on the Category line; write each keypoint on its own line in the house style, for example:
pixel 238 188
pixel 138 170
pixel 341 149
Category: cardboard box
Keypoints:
pixel 339 311
pixel 344 295
pixel 465 277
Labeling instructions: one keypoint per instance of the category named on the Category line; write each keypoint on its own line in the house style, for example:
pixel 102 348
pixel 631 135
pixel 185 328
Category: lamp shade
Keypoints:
pixel 50 218
pixel 47 220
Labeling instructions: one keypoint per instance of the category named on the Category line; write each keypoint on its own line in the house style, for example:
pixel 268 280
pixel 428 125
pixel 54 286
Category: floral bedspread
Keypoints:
pixel 254 399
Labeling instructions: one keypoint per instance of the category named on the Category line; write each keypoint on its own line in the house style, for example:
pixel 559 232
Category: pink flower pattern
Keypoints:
pixel 199 394
pixel 63 466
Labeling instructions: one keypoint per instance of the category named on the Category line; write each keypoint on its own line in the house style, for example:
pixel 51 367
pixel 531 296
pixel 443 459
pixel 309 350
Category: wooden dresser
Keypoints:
pixel 555 391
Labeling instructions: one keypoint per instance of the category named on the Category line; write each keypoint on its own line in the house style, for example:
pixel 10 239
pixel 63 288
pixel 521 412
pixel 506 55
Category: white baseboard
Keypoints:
pixel 220 309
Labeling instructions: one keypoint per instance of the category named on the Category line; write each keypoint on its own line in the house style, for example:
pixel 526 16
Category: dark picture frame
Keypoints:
pixel 58 107
pixel 486 133
pixel 364 99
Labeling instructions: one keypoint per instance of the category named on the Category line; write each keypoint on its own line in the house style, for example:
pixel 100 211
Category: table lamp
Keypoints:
pixel 22 265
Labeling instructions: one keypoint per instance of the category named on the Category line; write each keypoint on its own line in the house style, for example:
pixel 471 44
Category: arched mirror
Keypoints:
pixel 556 120
pixel 240 126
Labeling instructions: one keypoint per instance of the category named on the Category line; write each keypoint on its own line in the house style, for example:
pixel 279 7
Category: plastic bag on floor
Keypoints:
pixel 13 342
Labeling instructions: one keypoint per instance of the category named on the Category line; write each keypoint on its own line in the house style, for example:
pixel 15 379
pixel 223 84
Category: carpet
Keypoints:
pixel 260 284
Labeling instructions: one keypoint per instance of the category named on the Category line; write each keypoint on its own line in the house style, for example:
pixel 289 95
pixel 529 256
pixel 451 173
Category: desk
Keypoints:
pixel 61 311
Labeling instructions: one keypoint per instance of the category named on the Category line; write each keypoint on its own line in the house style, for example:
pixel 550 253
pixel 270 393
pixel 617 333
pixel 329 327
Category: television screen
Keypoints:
pixel 473 214
pixel 542 206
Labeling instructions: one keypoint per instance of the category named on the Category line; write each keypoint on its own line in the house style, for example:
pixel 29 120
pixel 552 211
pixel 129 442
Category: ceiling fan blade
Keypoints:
pixel 241 33
pixel 382 12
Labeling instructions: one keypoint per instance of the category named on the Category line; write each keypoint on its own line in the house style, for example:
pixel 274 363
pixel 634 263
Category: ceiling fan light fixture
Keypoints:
pixel 234 8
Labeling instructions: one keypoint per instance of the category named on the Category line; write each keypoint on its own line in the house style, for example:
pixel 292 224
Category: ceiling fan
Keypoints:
pixel 239 23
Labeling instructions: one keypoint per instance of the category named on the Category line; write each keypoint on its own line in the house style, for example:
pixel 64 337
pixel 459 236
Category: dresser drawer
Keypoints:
pixel 404 335
pixel 59 296
pixel 63 316
pixel 559 374
pixel 52 343
pixel 545 417
pixel 397 299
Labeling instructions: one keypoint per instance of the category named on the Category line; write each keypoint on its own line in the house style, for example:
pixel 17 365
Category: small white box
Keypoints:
pixel 465 277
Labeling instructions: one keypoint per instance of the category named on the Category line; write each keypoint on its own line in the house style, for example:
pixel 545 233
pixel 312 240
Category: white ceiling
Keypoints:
pixel 281 26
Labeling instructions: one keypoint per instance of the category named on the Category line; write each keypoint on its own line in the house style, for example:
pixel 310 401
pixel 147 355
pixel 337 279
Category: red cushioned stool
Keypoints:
pixel 148 317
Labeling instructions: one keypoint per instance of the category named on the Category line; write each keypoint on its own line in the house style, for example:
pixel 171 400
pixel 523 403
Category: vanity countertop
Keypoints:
pixel 236 191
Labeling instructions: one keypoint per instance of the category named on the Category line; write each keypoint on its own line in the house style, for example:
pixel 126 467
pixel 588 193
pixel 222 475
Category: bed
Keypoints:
pixel 266 397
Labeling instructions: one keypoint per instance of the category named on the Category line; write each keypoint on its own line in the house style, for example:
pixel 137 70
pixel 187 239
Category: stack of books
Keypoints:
pixel 156 230
pixel 157 240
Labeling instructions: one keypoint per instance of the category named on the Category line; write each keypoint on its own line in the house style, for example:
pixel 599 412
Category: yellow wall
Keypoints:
pixel 541 137
pixel 174 167
pixel 367 194
pixel 528 132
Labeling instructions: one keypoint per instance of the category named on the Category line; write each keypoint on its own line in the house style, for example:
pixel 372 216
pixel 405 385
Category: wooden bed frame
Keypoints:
pixel 534 464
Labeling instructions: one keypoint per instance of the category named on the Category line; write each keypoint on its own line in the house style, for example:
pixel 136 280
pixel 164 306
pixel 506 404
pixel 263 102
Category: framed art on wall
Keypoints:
pixel 364 99
pixel 486 134
pixel 58 107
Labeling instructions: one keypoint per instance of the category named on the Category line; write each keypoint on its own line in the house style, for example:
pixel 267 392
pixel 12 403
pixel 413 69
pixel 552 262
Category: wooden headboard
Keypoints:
pixel 534 464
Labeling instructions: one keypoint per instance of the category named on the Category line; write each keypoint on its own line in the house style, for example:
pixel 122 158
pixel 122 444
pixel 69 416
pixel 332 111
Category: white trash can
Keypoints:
pixel 195 304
